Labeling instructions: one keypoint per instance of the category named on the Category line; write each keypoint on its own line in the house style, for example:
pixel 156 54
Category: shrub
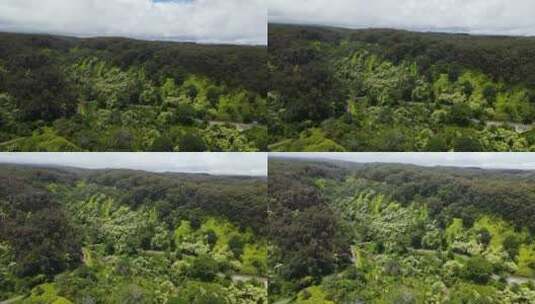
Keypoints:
pixel 478 270
pixel 192 143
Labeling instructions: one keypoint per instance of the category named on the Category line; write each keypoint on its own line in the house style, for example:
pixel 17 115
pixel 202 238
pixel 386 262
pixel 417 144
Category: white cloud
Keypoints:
pixel 211 21
pixel 486 160
pixel 513 17
pixel 253 164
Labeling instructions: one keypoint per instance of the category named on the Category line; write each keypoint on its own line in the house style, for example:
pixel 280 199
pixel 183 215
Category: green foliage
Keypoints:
pixel 470 293
pixel 203 269
pixel 526 260
pixel 312 295
pixel 200 293
pixel 401 296
pixel 511 244
pixel 314 140
pixel 236 244
pixel 48 294
pixel 454 231
pixel 367 90
pixel 478 270
pixel 414 234
pixel 255 259
pixel 130 294
pixel 117 236
pixel 38 86
pixel 191 142
pixel 100 95
pixel 48 141
pixel 33 221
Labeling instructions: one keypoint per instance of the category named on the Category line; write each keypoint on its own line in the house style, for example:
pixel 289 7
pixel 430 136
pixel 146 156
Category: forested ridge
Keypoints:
pixel 117 94
pixel 71 235
pixel 334 89
pixel 345 232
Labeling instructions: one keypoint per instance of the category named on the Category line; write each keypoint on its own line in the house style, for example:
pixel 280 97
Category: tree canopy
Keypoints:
pixel 70 235
pixel 334 89
pixel 114 94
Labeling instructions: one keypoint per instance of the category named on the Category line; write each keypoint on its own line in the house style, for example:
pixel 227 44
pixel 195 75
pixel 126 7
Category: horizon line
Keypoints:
pixel 70 166
pixel 327 158
pixel 423 29
pixel 136 38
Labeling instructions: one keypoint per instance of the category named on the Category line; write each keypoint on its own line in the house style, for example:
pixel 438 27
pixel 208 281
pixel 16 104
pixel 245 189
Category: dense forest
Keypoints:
pixel 344 232
pixel 70 235
pixel 334 89
pixel 116 94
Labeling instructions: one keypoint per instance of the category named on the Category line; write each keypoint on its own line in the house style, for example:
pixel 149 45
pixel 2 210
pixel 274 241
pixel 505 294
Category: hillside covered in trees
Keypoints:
pixel 389 233
pixel 69 235
pixel 116 94
pixel 334 89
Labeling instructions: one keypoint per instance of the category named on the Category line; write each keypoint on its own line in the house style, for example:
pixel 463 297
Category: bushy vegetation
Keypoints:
pixel 385 233
pixel 118 236
pixel 113 94
pixel 386 90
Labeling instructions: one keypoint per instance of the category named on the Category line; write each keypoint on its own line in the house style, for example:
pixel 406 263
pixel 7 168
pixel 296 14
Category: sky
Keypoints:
pixel 505 17
pixel 524 161
pixel 204 21
pixel 250 164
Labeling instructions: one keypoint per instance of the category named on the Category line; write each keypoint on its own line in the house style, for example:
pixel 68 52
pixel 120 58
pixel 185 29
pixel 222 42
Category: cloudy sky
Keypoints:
pixel 525 161
pixel 254 164
pixel 207 21
pixel 509 17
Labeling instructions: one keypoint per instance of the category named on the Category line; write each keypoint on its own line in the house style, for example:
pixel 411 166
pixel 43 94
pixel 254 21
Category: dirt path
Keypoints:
pixel 519 128
pixel 239 126
pixel 246 278
pixel 518 280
